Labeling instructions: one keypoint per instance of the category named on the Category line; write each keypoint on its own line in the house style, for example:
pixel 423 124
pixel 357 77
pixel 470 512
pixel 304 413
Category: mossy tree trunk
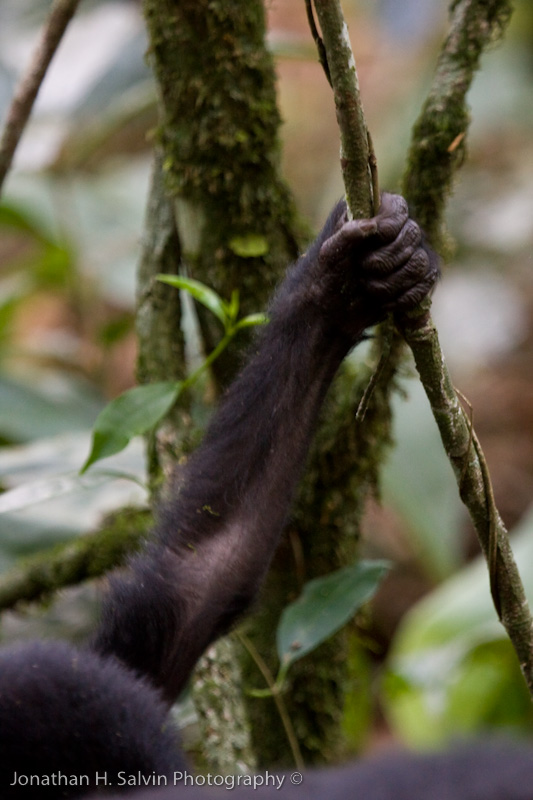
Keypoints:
pixel 235 227
pixel 219 136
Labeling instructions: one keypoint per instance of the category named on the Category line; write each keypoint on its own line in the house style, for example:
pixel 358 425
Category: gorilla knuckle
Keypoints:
pixel 395 204
pixel 419 264
pixel 411 234
pixel 379 262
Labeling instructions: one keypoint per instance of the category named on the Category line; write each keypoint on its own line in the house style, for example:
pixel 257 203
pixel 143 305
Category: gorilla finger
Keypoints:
pixel 384 228
pixel 434 260
pixel 392 256
pixel 348 238
pixel 392 215
pixel 417 269
pixel 337 218
pixel 414 295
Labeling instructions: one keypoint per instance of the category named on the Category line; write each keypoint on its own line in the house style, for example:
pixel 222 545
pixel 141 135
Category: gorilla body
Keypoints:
pixel 101 711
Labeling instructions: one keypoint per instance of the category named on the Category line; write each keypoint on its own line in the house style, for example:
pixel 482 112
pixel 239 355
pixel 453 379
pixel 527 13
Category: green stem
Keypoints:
pixel 275 693
pixel 213 355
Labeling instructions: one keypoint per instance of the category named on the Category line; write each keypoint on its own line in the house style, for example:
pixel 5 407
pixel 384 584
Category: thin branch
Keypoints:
pixel 322 57
pixel 438 137
pixel 350 116
pixel 437 151
pixel 471 472
pixel 374 179
pixel 386 347
pixel 276 696
pixel 20 109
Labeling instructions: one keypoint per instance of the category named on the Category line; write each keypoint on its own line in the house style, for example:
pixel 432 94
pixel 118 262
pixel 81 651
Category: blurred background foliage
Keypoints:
pixel 70 226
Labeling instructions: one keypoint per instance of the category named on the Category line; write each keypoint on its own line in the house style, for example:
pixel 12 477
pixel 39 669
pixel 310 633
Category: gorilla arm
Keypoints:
pixel 219 528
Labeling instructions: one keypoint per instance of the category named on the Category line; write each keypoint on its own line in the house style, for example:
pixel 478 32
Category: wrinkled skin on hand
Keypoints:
pixel 382 264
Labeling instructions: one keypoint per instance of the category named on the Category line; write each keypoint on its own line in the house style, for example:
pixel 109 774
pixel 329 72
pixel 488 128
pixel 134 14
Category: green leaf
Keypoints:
pixel 251 245
pixel 251 320
pixel 202 293
pixel 133 413
pixel 324 606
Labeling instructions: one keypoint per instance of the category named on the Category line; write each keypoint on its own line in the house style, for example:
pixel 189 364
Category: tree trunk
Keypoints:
pixel 237 228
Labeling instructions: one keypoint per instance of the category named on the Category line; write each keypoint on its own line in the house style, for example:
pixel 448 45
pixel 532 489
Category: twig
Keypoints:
pixel 386 346
pixel 468 461
pixel 437 151
pixel 492 510
pixel 276 696
pixel 349 110
pixel 322 57
pixel 474 24
pixel 20 109
pixel 373 167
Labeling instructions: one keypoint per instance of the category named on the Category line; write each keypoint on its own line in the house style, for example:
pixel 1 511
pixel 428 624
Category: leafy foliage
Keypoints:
pixel 325 605
pixel 135 412
pixel 140 409
pixel 452 667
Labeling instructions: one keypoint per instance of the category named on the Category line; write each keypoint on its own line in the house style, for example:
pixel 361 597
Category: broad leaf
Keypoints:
pixel 324 606
pixel 135 412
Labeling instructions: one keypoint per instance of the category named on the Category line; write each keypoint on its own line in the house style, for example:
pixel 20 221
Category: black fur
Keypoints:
pixel 488 772
pixel 102 710
pixel 69 711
